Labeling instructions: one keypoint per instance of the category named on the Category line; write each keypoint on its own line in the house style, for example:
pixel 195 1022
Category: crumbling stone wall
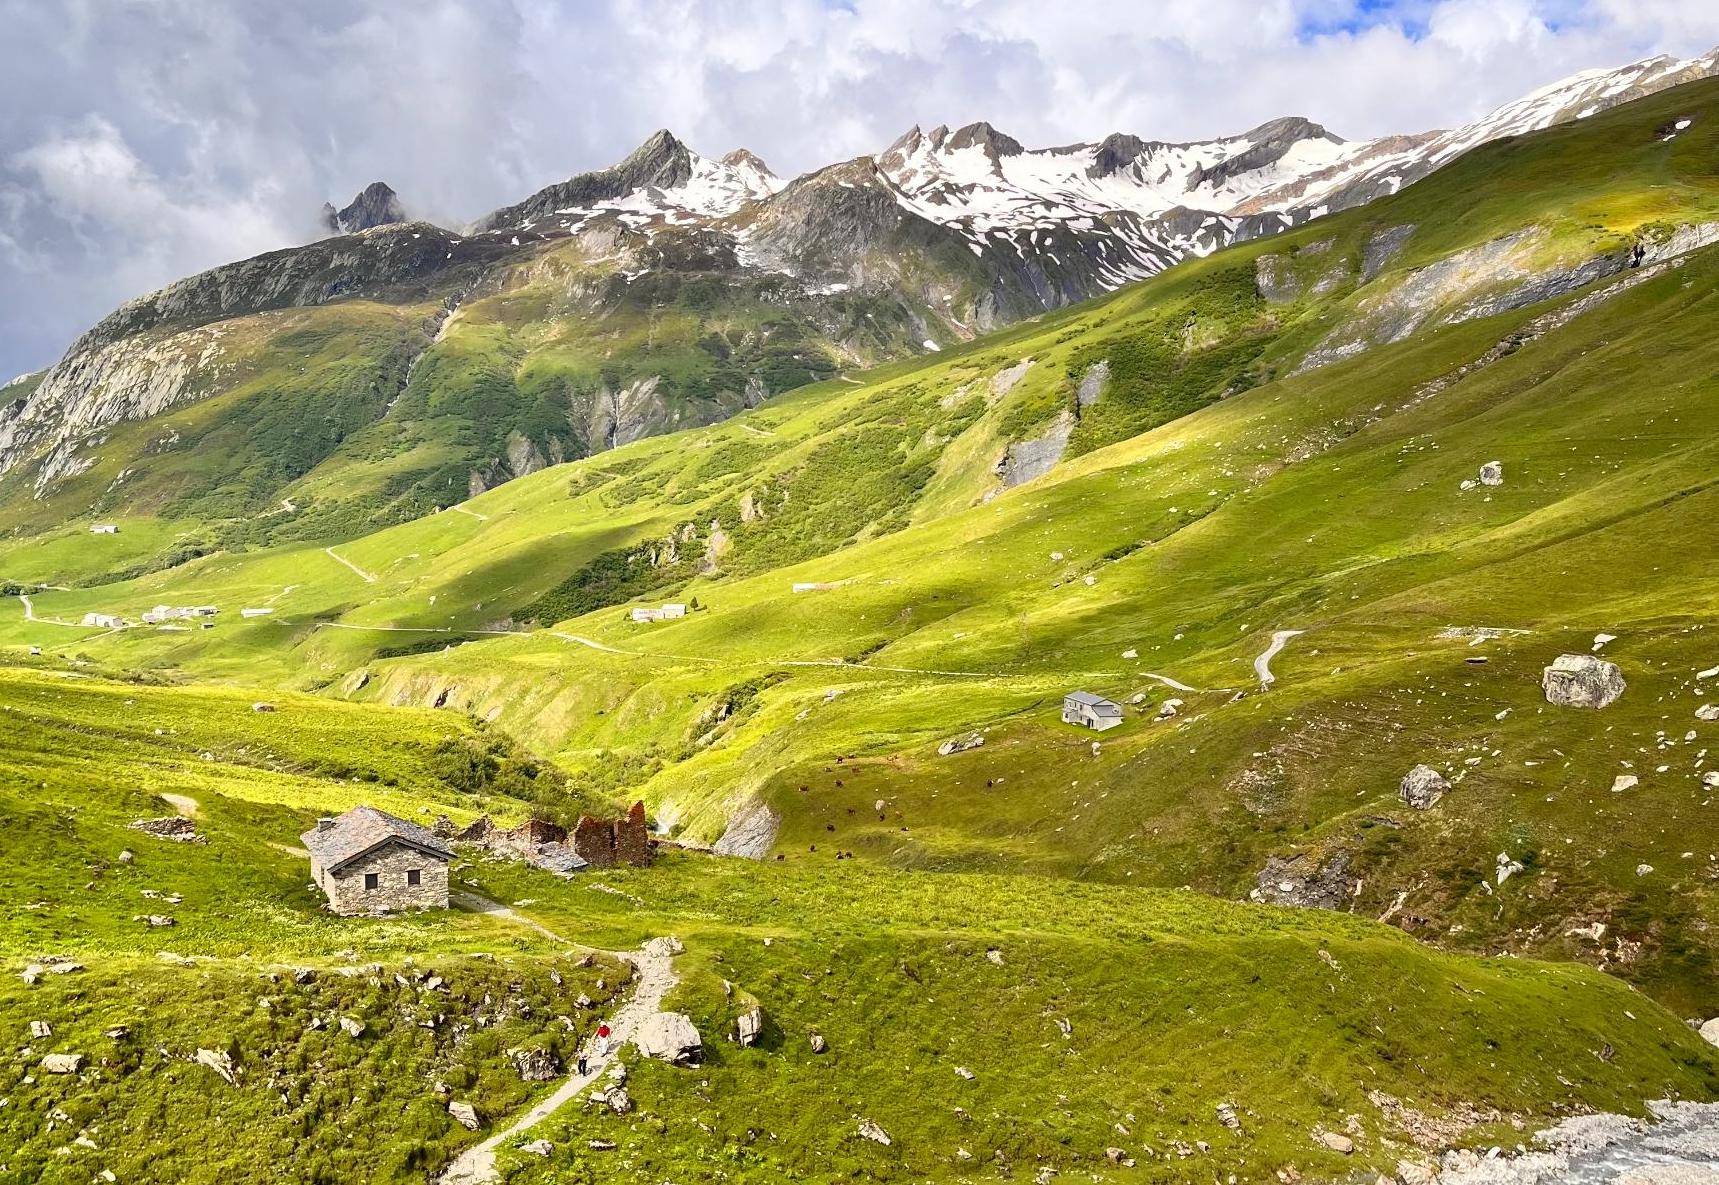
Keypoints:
pixel 602 843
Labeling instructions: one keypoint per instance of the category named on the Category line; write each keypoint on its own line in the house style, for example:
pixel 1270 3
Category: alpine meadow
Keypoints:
pixel 1134 661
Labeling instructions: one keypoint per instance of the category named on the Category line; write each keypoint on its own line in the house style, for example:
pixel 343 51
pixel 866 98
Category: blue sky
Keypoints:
pixel 142 140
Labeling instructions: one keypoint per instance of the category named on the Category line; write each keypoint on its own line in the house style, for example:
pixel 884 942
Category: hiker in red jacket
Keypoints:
pixel 603 1039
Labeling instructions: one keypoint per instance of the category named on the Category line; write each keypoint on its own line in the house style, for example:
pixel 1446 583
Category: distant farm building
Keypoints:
pixel 255 612
pixel 662 613
pixel 368 861
pixel 811 586
pixel 163 613
pixel 105 621
pixel 1090 711
pixel 103 529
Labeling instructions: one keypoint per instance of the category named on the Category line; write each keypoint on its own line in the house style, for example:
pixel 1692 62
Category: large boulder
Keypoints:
pixel 670 1037
pixel 750 1026
pixel 1423 786
pixel 1710 1031
pixel 1582 681
pixel 535 1064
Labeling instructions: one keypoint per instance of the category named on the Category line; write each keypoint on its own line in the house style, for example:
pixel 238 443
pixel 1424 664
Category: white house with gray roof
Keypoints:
pixel 368 862
pixel 1090 711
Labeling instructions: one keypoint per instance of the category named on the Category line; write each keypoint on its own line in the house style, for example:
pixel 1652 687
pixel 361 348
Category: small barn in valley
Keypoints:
pixel 368 861
pixel 1090 711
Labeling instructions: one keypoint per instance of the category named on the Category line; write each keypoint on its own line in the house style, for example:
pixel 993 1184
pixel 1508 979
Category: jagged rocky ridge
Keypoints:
pixel 376 205
pixel 943 235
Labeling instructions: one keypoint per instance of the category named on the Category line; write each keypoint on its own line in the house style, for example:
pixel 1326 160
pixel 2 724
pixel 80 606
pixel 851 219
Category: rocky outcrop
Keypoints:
pixel 750 834
pixel 1025 460
pixel 1582 681
pixel 1305 880
pixel 1422 787
pixel 661 162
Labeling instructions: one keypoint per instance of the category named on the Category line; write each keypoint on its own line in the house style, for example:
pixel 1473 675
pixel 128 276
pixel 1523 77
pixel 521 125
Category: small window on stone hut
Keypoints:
pixel 372 880
pixel 412 876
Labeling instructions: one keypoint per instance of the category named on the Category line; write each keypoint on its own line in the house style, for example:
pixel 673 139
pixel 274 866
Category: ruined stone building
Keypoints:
pixel 368 861
pixel 603 843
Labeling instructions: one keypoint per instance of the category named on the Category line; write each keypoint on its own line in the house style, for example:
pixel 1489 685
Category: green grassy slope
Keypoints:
pixel 1294 1016
pixel 1213 496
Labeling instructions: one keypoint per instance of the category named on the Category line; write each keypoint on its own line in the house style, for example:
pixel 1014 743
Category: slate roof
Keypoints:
pixel 1090 700
pixel 363 829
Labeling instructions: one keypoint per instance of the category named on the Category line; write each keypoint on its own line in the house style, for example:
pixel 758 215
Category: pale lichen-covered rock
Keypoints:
pixel 670 1037
pixel 961 744
pixel 1582 681
pixel 465 1115
pixel 63 1063
pixel 869 1130
pixel 749 1026
pixel 1492 473
pixel 1422 787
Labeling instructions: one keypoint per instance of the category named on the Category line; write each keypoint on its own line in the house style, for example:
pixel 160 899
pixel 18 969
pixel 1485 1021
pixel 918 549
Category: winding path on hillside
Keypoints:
pixel 1262 664
pixel 482 518
pixel 654 977
pixel 30 615
pixel 362 574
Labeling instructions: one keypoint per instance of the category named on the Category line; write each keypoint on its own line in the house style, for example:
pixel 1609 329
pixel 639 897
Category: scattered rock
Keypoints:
pixel 1492 473
pixel 125 856
pixel 963 1073
pixel 1227 1116
pixel 1643 869
pixel 871 1131
pixel 961 745
pixel 1422 787
pixel 1507 867
pixel 818 1043
pixel 1601 640
pixel 40 1029
pixel 1169 708
pixel 351 1027
pixel 1707 712
pixel 535 1064
pixel 174 827
pixel 1582 681
pixel 1624 782
pixel 670 1037
pixel 1710 779
pixel 220 1062
pixel 465 1115
pixel 304 975
pixel 1304 881
pixel 261 707
pixel 600 1145
pixel 995 956
pixel 1337 1142
pixel 63 1063
pixel 538 1147
pixel 1710 1031
pixel 750 1026
pixel 158 919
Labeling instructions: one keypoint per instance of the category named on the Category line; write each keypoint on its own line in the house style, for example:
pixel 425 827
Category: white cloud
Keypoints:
pixel 140 142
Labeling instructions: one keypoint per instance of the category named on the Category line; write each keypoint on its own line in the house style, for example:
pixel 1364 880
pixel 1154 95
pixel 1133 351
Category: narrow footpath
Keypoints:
pixel 653 978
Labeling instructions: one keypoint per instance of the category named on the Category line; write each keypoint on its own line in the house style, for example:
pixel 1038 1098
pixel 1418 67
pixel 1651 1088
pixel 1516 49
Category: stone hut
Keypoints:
pixel 603 843
pixel 368 862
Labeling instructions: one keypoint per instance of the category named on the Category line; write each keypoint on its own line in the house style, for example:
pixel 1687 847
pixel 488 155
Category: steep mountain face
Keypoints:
pixel 376 205
pixel 667 291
